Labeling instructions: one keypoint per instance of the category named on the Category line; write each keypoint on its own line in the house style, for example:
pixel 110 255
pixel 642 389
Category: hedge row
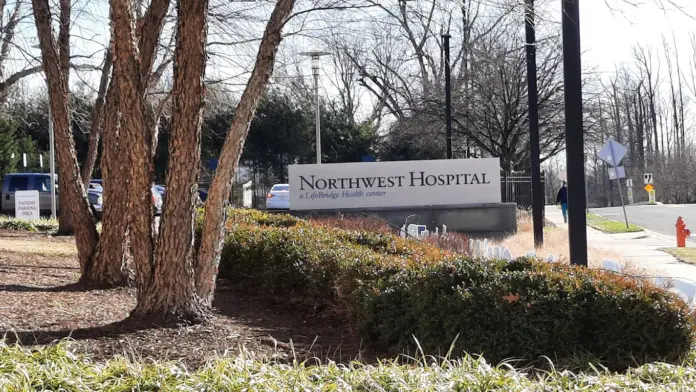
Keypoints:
pixel 395 289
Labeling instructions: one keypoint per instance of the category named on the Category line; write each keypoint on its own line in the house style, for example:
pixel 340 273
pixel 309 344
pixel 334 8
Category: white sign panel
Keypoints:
pixel 647 178
pixel 612 152
pixel 394 184
pixel 629 183
pixel 27 205
pixel 616 172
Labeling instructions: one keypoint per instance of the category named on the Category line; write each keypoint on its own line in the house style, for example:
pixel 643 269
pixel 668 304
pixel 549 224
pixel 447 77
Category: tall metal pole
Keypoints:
pixel 537 196
pixel 316 65
pixel 317 115
pixel 575 165
pixel 448 94
pixel 52 158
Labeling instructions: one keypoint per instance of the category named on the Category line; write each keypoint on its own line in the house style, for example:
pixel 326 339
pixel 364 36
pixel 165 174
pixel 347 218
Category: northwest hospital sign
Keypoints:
pixel 394 184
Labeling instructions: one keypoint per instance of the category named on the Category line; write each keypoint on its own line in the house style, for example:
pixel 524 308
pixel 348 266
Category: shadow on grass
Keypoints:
pixel 260 323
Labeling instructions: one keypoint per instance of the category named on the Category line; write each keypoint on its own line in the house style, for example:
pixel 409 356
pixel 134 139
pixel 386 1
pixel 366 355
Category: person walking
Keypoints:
pixel 562 199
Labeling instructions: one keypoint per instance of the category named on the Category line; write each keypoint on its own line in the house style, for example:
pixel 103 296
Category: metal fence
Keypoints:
pixel 516 187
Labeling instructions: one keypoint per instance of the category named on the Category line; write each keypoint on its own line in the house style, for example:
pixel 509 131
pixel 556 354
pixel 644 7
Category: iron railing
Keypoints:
pixel 516 187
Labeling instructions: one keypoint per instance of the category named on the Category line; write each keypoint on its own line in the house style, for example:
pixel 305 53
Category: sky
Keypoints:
pixel 609 30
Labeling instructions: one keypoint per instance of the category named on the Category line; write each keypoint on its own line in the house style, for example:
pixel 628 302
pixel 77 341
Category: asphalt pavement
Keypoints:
pixel 657 218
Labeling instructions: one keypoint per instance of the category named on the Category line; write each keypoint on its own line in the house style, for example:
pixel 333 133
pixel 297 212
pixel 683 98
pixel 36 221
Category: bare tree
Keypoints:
pixel 73 196
pixel 97 120
pixel 216 204
pixel 169 288
pixel 7 36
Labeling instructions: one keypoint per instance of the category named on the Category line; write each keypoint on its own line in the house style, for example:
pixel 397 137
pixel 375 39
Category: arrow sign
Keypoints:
pixel 648 178
pixel 612 152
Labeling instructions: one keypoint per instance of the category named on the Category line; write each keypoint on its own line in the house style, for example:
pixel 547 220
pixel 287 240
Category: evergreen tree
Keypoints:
pixel 9 148
pixel 26 145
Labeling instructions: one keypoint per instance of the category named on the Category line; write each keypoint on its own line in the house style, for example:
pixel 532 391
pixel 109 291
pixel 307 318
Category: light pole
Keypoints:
pixel 52 163
pixel 316 64
pixel 448 93
pixel 52 152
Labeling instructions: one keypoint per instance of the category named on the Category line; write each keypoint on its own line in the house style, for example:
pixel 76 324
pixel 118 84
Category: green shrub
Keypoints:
pixel 526 310
pixel 9 223
pixel 309 261
pixel 396 289
pixel 14 224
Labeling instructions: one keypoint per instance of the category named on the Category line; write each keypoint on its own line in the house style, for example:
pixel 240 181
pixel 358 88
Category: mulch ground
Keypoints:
pixel 38 305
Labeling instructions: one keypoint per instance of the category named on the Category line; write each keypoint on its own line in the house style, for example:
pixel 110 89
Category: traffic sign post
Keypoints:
pixel 650 188
pixel 612 153
pixel 629 192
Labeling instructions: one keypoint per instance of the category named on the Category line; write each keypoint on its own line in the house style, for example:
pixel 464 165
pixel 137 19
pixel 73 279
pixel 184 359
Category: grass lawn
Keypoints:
pixel 611 226
pixel 686 255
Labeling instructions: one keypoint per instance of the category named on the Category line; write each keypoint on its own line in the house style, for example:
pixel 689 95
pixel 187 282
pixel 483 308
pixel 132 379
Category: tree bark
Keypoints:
pixel 218 197
pixel 110 267
pixel 113 256
pixel 98 113
pixel 73 195
pixel 133 114
pixel 170 294
pixel 65 221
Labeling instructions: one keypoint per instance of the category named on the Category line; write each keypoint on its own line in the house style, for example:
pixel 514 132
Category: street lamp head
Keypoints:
pixel 316 62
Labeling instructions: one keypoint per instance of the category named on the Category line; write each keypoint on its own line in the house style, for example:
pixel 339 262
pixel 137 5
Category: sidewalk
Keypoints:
pixel 637 249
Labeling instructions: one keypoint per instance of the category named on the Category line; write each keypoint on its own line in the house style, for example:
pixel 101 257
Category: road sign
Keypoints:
pixel 651 196
pixel 629 183
pixel 612 152
pixel 647 178
pixel 616 172
pixel 649 187
pixel 629 191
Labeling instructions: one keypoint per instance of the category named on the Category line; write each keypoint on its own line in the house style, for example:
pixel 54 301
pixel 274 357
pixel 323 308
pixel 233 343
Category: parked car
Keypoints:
pixel 278 198
pixel 28 182
pixel 97 185
pixel 40 182
pixel 202 195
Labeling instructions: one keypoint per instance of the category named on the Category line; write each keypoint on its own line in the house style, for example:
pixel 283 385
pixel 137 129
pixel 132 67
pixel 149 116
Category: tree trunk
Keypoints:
pixel 97 121
pixel 110 268
pixel 73 195
pixel 218 197
pixel 65 222
pixel 170 294
pixel 131 91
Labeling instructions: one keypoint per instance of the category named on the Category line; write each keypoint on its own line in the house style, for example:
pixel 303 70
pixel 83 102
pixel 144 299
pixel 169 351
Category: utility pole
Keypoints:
pixel 575 165
pixel 448 93
pixel 537 196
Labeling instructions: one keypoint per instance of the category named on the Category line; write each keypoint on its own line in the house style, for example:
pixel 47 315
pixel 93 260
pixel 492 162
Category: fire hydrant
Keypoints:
pixel 682 233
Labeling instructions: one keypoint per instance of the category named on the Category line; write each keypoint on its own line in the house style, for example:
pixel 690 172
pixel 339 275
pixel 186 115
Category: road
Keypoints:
pixel 659 218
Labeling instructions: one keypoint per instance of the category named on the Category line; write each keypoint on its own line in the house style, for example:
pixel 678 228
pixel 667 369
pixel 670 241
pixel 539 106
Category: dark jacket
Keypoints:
pixel 562 196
